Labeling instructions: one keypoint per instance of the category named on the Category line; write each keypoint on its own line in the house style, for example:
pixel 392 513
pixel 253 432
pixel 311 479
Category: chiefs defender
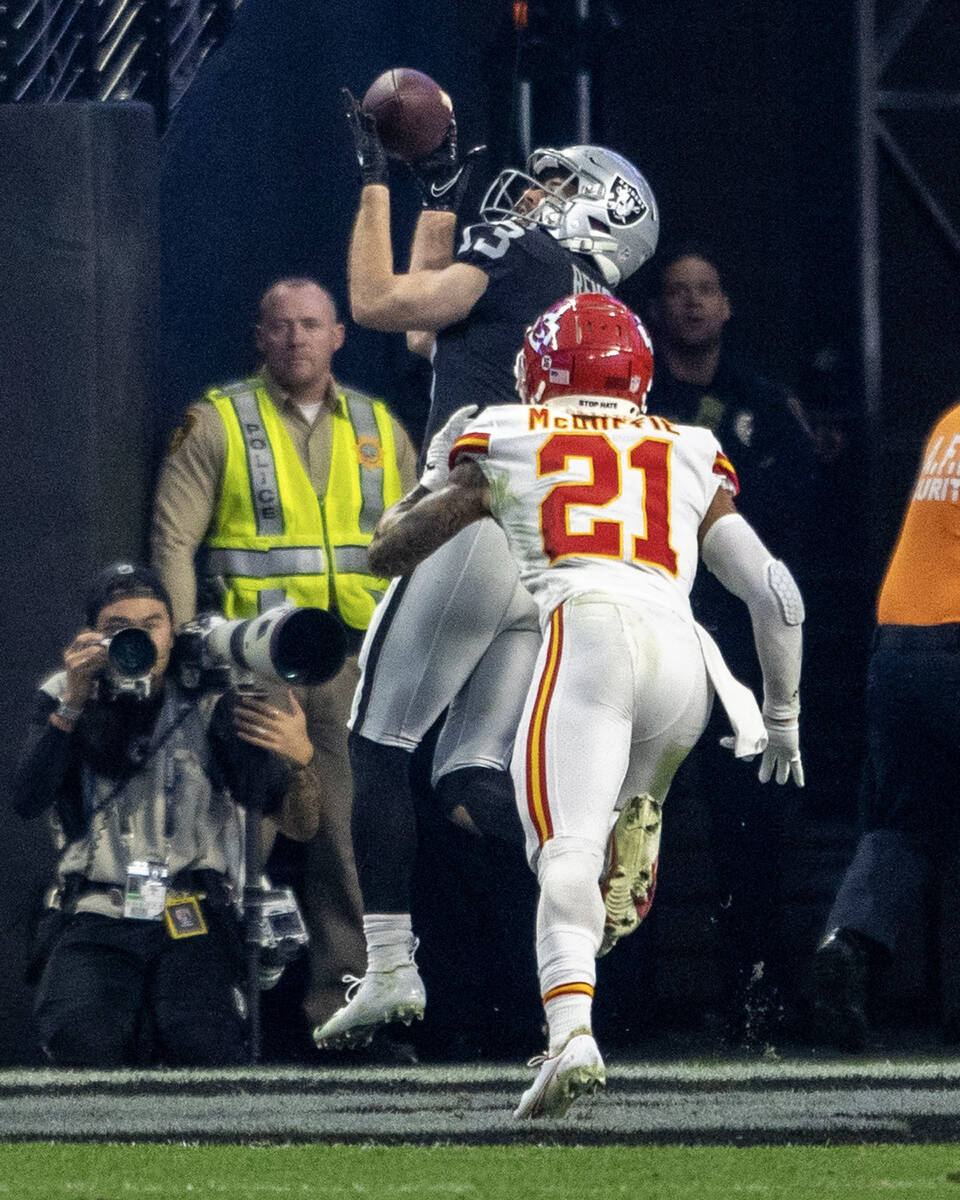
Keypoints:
pixel 606 511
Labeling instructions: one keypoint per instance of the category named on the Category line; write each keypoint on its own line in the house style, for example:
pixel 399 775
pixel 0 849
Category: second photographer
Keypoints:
pixel 146 783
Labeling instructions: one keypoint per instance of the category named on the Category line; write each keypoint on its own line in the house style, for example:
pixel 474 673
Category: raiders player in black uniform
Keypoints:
pixel 460 633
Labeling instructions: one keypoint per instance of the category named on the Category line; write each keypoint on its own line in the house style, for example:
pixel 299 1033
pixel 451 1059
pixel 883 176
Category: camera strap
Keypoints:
pixel 157 742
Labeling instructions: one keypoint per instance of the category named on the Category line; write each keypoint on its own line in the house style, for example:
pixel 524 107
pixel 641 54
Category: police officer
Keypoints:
pixel 280 479
pixel 142 954
pixel 698 382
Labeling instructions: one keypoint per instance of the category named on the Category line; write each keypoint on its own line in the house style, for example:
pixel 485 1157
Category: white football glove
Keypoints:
pixel 782 752
pixel 437 466
pixel 782 755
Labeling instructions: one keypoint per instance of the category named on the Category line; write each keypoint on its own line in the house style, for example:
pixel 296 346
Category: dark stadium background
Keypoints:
pixel 133 263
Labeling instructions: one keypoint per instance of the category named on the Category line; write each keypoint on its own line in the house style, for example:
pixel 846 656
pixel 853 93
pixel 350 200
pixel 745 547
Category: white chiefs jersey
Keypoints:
pixel 598 503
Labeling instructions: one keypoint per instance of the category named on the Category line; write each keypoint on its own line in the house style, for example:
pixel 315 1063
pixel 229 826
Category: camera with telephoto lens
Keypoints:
pixel 284 644
pixel 131 656
pixel 276 925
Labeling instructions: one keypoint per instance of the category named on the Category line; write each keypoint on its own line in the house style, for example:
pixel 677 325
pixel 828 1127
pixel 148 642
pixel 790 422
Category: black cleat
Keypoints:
pixel 840 990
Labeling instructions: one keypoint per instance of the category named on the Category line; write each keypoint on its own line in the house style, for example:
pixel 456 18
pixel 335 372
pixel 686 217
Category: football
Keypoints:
pixel 411 111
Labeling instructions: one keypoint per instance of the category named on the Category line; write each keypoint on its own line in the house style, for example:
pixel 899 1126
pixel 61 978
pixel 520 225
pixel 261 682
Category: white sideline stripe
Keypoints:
pixel 783 1071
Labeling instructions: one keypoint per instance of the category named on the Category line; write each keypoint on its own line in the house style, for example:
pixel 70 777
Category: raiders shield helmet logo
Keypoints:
pixel 624 205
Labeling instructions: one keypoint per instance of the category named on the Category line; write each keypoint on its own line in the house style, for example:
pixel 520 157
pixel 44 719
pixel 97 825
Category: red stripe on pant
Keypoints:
pixel 568 989
pixel 538 801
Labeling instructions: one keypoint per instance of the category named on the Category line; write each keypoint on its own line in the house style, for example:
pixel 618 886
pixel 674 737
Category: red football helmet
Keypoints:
pixel 587 345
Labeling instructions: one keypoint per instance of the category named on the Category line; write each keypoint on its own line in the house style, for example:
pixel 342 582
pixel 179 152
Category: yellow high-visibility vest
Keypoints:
pixel 274 539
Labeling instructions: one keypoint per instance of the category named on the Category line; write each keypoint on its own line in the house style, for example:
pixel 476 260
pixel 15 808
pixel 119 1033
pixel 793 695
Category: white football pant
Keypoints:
pixel 463 633
pixel 618 698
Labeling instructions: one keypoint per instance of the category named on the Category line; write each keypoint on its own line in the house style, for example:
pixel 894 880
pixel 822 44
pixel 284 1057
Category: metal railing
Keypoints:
pixel 879 46
pixel 149 50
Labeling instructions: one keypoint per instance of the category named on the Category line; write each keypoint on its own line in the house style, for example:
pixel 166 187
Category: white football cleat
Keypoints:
pixel 630 876
pixel 576 1070
pixel 377 999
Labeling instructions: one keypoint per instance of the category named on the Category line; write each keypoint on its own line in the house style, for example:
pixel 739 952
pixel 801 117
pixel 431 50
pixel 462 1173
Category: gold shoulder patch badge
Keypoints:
pixel 182 432
pixel 369 452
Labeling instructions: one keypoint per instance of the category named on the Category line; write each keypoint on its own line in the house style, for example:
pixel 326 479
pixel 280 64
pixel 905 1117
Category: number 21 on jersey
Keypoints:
pixel 605 538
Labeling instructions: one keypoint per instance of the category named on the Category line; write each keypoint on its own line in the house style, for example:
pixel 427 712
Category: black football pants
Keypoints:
pixel 119 992
pixel 911 803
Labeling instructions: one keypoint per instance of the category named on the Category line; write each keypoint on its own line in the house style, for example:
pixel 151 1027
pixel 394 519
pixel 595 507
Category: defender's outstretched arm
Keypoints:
pixel 423 520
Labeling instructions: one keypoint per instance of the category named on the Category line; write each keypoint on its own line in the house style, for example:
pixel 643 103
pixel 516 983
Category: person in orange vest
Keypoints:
pixel 909 808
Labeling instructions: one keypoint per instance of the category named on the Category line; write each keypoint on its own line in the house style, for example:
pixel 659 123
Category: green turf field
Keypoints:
pixel 107 1171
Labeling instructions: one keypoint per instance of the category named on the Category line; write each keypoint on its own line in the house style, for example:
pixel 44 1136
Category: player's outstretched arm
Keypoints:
pixel 732 551
pixel 382 299
pixel 430 250
pixel 423 520
pixel 436 291
pixel 442 178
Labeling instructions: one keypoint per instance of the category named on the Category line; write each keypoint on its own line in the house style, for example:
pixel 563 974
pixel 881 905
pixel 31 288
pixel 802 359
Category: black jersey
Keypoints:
pixel 752 419
pixel 528 271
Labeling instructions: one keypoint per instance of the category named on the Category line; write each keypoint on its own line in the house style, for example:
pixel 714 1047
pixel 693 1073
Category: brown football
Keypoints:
pixel 411 111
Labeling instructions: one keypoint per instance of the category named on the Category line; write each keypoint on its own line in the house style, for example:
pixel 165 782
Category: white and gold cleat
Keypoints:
pixel 377 999
pixel 576 1070
pixel 630 877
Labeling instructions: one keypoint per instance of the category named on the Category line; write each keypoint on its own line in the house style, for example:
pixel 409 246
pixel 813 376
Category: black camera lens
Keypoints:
pixel 131 653
pixel 309 647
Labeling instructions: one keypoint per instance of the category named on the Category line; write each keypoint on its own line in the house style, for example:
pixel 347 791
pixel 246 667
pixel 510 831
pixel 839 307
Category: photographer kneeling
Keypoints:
pixel 144 961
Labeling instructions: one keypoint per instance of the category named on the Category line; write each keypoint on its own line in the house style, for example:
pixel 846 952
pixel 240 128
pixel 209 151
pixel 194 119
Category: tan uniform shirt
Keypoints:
pixel 188 490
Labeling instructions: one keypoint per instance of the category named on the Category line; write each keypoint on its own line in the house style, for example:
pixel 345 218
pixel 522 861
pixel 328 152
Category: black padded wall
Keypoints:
pixel 78 185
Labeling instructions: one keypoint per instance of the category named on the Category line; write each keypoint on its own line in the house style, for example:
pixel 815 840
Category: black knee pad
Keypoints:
pixel 488 797
pixel 383 824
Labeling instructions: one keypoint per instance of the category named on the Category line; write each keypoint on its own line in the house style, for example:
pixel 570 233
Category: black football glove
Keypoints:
pixel 442 177
pixel 371 155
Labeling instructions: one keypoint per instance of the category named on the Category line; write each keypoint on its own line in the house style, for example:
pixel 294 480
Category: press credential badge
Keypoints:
pixel 146 891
